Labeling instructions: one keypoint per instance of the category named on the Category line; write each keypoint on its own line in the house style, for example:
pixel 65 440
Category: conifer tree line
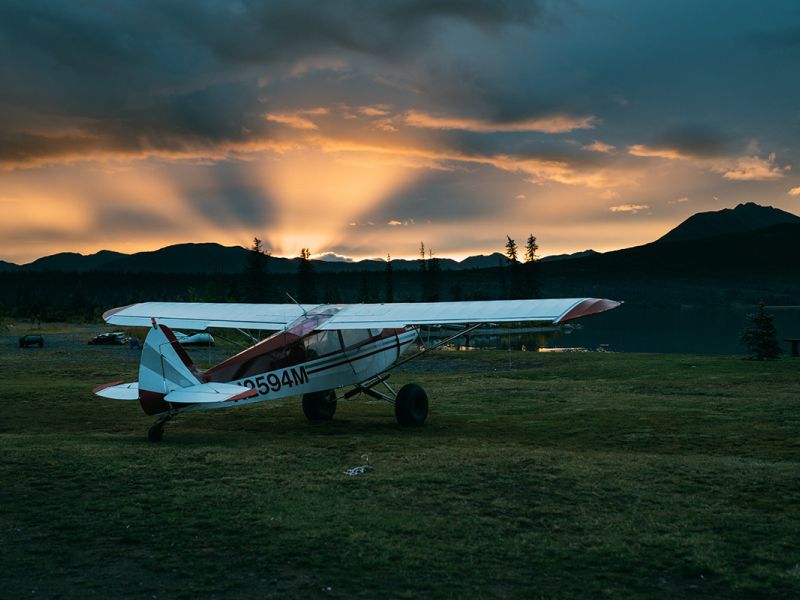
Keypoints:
pixel 521 280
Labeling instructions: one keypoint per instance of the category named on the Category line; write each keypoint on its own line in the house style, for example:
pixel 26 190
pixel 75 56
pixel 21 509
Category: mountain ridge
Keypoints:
pixel 744 217
pixel 210 257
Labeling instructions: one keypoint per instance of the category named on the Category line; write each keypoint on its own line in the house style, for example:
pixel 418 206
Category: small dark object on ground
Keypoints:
pixel 26 341
pixel 116 338
pixel 795 343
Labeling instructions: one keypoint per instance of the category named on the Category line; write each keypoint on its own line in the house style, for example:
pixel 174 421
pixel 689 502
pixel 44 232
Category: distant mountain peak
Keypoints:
pixel 747 216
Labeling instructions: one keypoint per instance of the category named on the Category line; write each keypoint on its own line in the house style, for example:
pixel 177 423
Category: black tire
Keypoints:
pixel 411 405
pixel 319 406
pixel 156 433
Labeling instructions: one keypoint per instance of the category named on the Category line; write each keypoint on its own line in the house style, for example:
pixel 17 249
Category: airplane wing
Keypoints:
pixel 202 315
pixel 191 315
pixel 554 310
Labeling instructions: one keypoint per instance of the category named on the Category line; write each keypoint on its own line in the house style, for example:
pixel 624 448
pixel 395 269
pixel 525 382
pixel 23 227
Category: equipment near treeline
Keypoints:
pixel 26 341
pixel 112 338
pixel 315 351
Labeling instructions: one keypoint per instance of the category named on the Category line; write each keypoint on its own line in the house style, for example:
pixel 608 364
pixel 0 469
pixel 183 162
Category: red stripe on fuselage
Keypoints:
pixel 279 351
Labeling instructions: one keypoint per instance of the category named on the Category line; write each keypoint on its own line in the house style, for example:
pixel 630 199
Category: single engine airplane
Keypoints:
pixel 315 351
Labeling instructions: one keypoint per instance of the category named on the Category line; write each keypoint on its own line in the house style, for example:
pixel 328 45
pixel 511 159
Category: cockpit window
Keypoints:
pixel 321 343
pixel 355 337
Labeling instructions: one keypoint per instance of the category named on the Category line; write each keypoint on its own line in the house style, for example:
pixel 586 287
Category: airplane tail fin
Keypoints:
pixel 164 367
pixel 168 376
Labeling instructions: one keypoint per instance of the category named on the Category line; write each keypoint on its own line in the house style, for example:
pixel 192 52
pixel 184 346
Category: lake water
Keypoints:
pixel 631 328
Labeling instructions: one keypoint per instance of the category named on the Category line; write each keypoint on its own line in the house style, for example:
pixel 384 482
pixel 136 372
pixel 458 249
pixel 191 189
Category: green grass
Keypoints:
pixel 537 475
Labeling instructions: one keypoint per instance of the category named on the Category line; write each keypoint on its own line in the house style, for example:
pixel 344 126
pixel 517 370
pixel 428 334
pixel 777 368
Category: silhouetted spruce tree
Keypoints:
pixel 531 267
pixel 434 274
pixel 423 272
pixel 511 249
pixel 256 274
pixel 761 337
pixel 516 287
pixel 305 277
pixel 389 279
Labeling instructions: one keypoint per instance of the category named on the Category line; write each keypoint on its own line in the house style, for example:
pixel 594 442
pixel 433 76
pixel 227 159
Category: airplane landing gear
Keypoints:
pixel 319 406
pixel 411 405
pixel 156 431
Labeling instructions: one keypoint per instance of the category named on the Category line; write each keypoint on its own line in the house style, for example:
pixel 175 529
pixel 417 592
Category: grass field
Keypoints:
pixel 538 475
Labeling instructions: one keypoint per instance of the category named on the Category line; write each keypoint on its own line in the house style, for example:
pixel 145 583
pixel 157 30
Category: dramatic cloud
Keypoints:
pixel 360 128
pixel 753 168
pixel 598 146
pixel 551 124
pixel 628 208
pixel 332 257
pixel 794 191
pixel 653 152
pixel 298 120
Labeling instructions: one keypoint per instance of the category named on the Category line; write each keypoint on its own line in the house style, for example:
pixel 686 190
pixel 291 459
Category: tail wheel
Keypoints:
pixel 411 405
pixel 319 406
pixel 156 432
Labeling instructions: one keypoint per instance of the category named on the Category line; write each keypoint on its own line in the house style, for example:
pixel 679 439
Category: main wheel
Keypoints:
pixel 319 406
pixel 411 405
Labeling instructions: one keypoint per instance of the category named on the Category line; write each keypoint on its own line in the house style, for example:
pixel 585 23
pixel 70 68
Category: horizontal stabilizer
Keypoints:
pixel 206 393
pixel 118 391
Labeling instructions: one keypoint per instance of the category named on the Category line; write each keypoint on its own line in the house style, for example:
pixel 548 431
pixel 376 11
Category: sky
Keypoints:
pixel 361 129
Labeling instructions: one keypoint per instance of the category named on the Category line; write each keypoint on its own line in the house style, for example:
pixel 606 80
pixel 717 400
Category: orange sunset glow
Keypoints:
pixel 455 126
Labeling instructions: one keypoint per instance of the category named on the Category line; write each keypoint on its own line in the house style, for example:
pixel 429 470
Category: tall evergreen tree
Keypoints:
pixel 305 277
pixel 511 249
pixel 531 248
pixel 531 266
pixel 761 337
pixel 423 270
pixel 516 287
pixel 434 275
pixel 389 279
pixel 256 273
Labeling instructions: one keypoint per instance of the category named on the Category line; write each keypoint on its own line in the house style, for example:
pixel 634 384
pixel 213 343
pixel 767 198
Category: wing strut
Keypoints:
pixel 367 386
pixel 434 347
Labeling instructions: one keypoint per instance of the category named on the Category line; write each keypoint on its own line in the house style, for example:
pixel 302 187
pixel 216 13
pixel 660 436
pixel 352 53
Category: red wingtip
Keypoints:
pixel 111 312
pixel 590 306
